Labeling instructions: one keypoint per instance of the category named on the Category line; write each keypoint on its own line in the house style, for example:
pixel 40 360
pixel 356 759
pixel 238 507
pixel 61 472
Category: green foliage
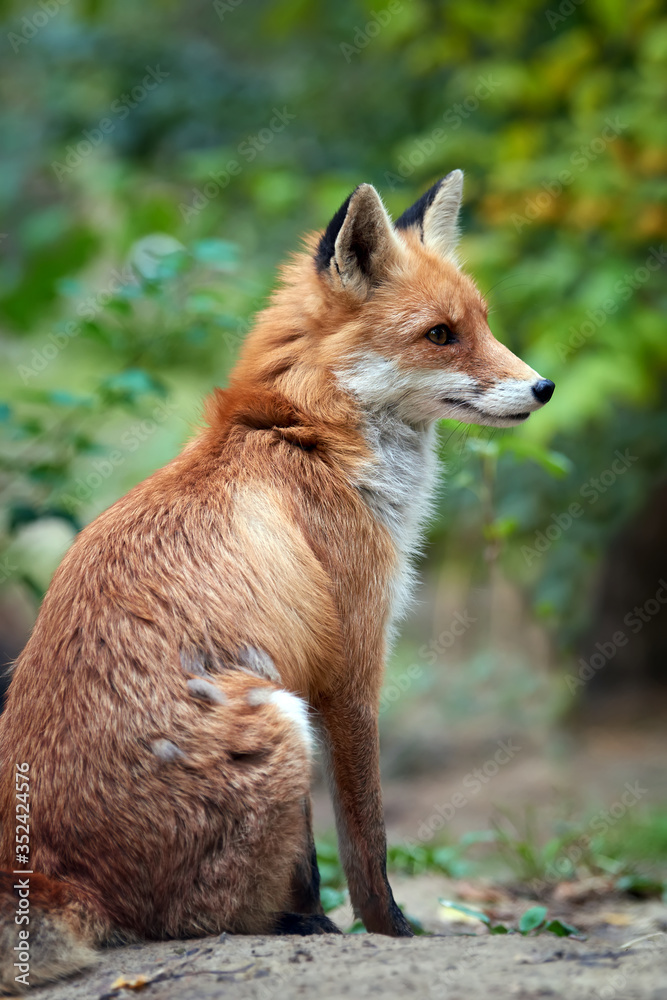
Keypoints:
pixel 533 920
pixel 412 860
pixel 331 871
pixel 52 435
pixel 631 851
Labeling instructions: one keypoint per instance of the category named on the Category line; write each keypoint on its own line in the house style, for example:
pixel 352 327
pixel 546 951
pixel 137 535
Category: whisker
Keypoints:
pixel 499 282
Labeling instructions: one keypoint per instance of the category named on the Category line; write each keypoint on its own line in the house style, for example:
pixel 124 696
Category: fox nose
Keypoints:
pixel 544 390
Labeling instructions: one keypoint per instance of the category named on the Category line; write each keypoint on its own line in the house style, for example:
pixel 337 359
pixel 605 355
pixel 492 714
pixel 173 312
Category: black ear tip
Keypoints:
pixel 414 216
pixel 327 244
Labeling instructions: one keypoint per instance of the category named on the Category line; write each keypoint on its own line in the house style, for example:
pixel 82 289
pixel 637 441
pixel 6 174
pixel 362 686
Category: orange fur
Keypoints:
pixel 169 775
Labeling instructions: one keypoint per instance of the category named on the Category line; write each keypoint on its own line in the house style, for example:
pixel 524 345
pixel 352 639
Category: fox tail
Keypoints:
pixel 47 931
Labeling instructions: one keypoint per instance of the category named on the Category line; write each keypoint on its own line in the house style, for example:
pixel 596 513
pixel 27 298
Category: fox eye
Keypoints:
pixel 440 335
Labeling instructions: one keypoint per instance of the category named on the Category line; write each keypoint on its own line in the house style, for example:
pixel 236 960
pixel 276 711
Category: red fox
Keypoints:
pixel 202 634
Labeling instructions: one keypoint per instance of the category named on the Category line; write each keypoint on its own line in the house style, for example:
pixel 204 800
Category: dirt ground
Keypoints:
pixel 624 956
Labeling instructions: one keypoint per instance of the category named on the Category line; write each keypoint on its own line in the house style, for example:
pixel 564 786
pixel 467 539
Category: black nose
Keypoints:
pixel 544 390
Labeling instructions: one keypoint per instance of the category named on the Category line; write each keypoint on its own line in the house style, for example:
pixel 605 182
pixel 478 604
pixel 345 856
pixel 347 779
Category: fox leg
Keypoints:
pixel 306 878
pixel 352 746
pixel 304 924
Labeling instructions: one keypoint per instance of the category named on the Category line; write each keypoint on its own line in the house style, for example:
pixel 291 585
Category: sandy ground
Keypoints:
pixel 624 956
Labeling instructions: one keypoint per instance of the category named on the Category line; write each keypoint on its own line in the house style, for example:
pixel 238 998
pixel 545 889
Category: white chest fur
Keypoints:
pixel 398 486
pixel 399 482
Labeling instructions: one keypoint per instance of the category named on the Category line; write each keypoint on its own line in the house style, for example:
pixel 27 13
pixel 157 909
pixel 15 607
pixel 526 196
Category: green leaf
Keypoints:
pixel 69 287
pixel 416 925
pixel 206 302
pixel 331 898
pixel 640 885
pixel 501 528
pixel 330 872
pixel 326 851
pixel 449 860
pixel 499 929
pixel 555 463
pixel 218 254
pixel 61 397
pixel 120 306
pixel 157 257
pixel 130 385
pixel 532 919
pixel 171 264
pixel 479 837
pixel 560 928
pixel 467 910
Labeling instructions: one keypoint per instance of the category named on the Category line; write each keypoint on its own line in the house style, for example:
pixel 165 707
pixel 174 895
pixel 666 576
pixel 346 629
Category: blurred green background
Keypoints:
pixel 161 159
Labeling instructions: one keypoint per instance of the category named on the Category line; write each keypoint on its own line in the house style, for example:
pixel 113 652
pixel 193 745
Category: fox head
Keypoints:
pixel 407 329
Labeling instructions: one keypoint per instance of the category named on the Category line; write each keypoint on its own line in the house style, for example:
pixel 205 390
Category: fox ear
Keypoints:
pixel 359 245
pixel 436 215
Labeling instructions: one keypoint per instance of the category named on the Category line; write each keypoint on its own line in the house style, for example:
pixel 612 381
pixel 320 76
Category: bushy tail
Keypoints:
pixel 46 931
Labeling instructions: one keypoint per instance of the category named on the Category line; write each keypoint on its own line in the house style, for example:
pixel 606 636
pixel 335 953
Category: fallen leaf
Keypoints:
pixel 122 983
pixel 458 913
pixel 579 892
pixel 617 919
pixel 478 892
